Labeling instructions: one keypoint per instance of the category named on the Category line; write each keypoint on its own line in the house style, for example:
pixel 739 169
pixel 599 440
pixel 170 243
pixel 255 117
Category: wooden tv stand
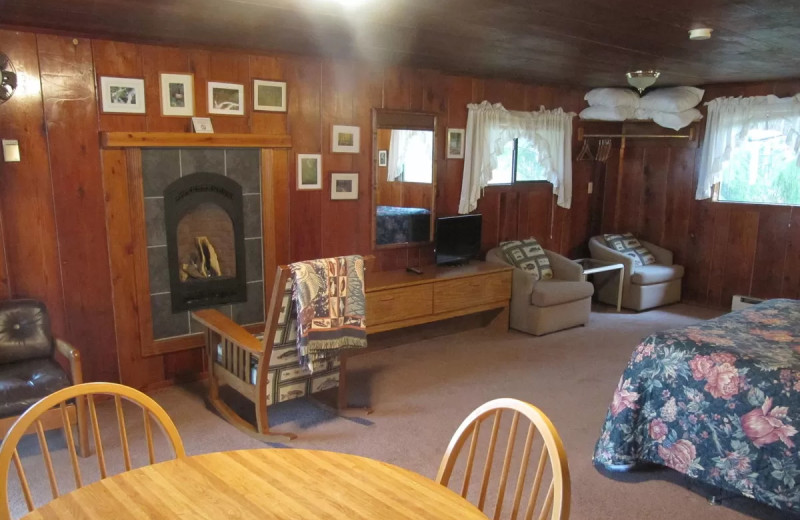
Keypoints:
pixel 397 299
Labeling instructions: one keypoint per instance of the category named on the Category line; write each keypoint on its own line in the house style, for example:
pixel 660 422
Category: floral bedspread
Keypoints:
pixel 718 401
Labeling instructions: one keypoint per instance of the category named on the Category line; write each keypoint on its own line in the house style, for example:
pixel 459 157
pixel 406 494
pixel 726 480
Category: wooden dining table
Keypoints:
pixel 263 484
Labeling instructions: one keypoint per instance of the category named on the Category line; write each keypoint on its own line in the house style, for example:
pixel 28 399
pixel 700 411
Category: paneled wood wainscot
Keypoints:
pixel 397 299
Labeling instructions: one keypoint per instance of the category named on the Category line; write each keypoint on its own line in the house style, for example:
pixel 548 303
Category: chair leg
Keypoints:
pixel 83 431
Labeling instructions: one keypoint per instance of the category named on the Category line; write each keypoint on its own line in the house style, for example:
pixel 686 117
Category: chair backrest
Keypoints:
pixel 30 422
pixel 24 331
pixel 555 503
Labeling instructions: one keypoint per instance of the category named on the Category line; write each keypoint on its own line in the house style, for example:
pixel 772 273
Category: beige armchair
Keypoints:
pixel 643 287
pixel 543 306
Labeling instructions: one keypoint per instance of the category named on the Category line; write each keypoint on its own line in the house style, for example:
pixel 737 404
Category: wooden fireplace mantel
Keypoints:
pixel 190 140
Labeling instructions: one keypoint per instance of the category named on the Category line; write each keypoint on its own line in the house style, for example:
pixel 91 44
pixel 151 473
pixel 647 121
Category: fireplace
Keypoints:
pixel 205 241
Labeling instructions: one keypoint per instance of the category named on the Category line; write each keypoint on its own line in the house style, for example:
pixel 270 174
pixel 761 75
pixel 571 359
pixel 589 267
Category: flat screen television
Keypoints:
pixel 457 239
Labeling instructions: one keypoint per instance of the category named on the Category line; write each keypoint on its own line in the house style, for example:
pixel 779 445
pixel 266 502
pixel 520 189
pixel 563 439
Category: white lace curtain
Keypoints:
pixel 491 127
pixel 728 123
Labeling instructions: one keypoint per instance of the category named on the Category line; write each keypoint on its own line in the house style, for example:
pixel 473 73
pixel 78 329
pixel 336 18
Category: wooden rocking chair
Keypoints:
pixel 264 371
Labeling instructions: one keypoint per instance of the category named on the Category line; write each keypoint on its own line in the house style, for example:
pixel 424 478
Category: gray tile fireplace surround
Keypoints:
pixel 160 167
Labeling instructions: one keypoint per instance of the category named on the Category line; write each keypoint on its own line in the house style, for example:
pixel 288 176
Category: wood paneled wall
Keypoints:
pixel 55 204
pixel 727 248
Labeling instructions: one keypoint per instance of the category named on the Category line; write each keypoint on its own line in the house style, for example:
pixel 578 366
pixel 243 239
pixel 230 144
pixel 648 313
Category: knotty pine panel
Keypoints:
pixel 304 79
pixel 368 95
pixel 70 114
pixel 770 258
pixel 163 60
pixel 268 68
pixel 719 255
pixel 339 217
pixel 124 60
pixel 790 286
pixel 31 255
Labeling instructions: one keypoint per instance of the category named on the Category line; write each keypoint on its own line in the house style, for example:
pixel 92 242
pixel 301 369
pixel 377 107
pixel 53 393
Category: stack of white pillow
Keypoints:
pixel 672 107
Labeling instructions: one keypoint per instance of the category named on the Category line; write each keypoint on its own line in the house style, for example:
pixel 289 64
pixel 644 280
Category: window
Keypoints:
pixel 762 169
pixel 519 162
pixel 751 151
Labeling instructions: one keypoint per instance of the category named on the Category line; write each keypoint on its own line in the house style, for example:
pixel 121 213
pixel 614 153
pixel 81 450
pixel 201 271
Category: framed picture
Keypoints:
pixel 346 139
pixel 177 95
pixel 269 96
pixel 122 95
pixel 383 157
pixel 344 186
pixel 202 125
pixel 455 143
pixel 225 98
pixel 309 171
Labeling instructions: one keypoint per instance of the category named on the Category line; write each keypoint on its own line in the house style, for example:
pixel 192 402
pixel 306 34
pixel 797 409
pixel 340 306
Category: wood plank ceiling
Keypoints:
pixel 579 42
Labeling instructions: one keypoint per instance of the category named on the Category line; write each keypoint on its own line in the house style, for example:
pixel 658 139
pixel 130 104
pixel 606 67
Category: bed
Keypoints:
pixel 395 225
pixel 718 401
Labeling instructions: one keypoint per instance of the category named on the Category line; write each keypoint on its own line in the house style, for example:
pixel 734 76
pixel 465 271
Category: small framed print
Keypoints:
pixel 122 95
pixel 309 171
pixel 383 157
pixel 344 186
pixel 225 99
pixel 177 95
pixel 202 125
pixel 346 139
pixel 455 143
pixel 269 96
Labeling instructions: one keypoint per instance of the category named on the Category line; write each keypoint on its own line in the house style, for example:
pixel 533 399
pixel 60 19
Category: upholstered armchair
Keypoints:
pixel 29 369
pixel 543 306
pixel 644 286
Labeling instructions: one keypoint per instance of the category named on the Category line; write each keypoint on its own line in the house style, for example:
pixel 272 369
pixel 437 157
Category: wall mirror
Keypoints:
pixel 404 177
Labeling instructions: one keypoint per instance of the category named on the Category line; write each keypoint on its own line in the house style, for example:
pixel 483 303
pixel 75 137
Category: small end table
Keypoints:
pixel 592 266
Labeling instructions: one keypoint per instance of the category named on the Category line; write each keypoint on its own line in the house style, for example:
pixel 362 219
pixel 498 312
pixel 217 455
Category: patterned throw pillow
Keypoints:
pixel 628 245
pixel 529 256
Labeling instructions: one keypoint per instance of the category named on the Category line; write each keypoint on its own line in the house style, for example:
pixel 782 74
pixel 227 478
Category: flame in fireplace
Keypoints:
pixel 201 263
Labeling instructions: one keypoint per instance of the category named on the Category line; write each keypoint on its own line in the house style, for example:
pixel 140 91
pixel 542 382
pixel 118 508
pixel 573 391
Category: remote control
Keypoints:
pixel 415 270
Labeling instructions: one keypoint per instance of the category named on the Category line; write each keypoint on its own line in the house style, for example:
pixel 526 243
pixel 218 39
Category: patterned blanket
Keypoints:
pixel 331 308
pixel 718 401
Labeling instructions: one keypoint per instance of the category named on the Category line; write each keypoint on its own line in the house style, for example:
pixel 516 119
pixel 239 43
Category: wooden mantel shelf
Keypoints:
pixel 188 140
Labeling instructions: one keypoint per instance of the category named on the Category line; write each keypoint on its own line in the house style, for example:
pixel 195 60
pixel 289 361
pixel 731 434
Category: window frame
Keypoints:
pixel 514 170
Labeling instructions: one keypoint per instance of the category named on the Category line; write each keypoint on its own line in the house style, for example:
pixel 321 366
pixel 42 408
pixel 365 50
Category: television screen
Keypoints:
pixel 457 239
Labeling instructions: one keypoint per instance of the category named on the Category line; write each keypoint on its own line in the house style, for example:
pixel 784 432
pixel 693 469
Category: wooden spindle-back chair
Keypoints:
pixel 31 421
pixel 555 505
pixel 257 369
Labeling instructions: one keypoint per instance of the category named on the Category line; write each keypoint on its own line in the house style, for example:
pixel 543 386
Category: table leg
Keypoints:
pixel 619 290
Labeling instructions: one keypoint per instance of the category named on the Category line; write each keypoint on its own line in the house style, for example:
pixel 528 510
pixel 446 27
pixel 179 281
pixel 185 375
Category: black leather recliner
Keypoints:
pixel 28 366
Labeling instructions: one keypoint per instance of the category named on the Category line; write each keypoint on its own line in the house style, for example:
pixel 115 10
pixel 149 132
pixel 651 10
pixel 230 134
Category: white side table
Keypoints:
pixel 592 266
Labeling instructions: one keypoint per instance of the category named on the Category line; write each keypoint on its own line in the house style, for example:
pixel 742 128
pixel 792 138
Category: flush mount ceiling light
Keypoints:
pixel 641 79
pixel 701 33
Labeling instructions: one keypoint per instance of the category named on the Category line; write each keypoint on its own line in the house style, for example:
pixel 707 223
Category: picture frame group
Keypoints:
pixel 122 95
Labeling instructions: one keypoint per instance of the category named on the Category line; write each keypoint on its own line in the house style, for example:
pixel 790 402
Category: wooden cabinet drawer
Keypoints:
pixel 399 304
pixel 461 293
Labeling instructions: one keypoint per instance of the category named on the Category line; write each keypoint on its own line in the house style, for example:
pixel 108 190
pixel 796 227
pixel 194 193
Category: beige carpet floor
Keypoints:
pixel 433 376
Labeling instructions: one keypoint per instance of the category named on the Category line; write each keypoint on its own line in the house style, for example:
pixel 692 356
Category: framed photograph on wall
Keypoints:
pixel 177 95
pixel 455 143
pixel 383 157
pixel 269 96
pixel 309 171
pixel 344 186
pixel 225 98
pixel 345 139
pixel 122 95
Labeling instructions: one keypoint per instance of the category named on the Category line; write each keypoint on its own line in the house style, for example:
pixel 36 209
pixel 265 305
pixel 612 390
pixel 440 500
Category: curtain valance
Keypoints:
pixel 490 127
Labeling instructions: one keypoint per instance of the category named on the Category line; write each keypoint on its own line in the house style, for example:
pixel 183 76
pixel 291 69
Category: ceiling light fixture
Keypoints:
pixel 641 79
pixel 701 33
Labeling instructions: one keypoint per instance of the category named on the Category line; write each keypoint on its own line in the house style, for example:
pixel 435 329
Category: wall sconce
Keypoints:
pixel 8 84
pixel 641 79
